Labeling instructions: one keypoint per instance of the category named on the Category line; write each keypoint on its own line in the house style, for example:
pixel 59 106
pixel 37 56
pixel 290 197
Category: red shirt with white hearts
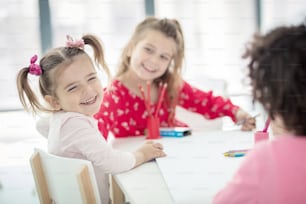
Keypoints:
pixel 124 113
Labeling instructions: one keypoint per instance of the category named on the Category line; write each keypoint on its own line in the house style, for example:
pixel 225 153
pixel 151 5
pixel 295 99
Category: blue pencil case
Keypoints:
pixel 174 131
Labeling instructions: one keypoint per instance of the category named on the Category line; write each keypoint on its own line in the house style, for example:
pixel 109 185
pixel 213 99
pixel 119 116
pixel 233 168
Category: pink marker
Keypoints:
pixel 264 134
pixel 266 125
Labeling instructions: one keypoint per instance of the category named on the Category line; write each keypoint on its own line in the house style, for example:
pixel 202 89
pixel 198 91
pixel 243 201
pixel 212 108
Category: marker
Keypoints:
pixel 266 125
pixel 238 151
pixel 241 122
pixel 234 154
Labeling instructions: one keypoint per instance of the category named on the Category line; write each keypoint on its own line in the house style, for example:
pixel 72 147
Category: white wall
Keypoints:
pixel 215 33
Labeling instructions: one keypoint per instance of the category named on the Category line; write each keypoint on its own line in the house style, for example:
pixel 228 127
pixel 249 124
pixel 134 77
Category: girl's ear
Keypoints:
pixel 53 102
pixel 130 50
pixel 171 65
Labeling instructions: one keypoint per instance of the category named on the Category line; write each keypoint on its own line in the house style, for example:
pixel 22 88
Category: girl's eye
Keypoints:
pixel 165 58
pixel 92 78
pixel 72 88
pixel 148 49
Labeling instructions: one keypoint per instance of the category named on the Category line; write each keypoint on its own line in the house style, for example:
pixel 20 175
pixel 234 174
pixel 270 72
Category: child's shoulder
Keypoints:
pixel 289 143
pixel 117 88
pixel 119 91
pixel 72 117
pixel 280 148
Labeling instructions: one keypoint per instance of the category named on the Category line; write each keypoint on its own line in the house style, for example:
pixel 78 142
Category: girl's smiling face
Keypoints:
pixel 152 55
pixel 78 88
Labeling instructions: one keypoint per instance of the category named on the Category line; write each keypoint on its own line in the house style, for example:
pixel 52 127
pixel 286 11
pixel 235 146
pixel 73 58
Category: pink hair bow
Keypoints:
pixel 34 69
pixel 74 43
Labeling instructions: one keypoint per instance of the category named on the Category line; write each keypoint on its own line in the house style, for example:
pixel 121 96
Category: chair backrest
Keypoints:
pixel 64 180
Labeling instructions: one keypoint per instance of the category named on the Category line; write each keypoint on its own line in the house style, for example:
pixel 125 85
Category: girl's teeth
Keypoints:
pixel 89 100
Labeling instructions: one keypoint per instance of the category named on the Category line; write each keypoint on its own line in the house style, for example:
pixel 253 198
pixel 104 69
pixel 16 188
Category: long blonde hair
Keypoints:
pixel 50 63
pixel 171 28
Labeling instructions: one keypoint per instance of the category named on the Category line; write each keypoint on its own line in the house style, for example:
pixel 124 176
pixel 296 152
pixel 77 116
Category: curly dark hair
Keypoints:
pixel 277 69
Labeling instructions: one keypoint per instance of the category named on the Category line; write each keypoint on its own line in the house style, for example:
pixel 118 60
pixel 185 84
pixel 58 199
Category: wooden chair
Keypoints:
pixel 64 180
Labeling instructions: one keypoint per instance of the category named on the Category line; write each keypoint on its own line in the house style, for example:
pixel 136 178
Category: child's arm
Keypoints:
pixel 205 103
pixel 148 151
pixel 79 136
pixel 249 122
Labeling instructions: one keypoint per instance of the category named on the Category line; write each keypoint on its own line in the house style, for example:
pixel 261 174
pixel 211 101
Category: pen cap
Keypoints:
pixel 153 128
pixel 260 136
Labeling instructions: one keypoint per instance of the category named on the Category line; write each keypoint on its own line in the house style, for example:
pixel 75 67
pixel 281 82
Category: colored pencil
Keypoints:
pixel 160 98
pixel 144 99
pixel 149 97
pixel 266 125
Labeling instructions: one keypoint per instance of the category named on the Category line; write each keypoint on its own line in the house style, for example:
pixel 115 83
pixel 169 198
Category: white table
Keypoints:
pixel 194 170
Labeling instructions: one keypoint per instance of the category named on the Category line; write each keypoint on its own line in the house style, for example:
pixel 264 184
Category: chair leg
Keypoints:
pixel 116 192
pixel 86 186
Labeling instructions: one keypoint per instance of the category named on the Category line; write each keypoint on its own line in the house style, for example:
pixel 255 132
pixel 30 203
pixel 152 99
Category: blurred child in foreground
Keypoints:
pixel 275 172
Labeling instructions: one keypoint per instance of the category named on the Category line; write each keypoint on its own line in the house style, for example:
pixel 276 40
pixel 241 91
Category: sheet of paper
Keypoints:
pixel 195 168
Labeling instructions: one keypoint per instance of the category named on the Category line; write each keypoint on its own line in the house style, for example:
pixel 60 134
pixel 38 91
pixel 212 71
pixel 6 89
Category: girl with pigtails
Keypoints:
pixel 69 84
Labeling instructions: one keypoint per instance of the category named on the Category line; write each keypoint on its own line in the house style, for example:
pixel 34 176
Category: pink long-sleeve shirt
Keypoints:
pixel 77 136
pixel 272 173
pixel 124 113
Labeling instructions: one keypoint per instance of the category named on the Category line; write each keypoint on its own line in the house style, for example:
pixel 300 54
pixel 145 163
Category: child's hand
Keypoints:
pixel 247 121
pixel 148 151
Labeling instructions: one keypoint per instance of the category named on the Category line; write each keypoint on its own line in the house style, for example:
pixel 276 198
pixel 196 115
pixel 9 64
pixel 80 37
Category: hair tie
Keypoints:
pixel 74 43
pixel 34 69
